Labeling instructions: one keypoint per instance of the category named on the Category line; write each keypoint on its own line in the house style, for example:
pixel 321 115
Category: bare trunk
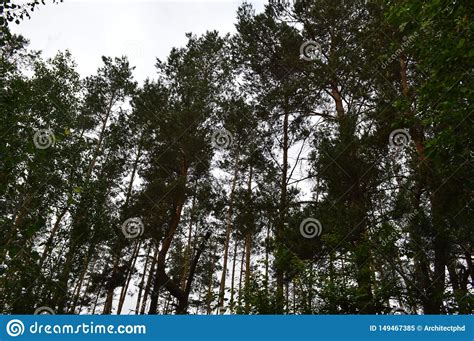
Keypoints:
pixel 62 290
pixel 111 289
pixel 49 243
pixel 227 235
pixel 267 255
pixel 79 284
pixel 149 282
pixel 233 278
pixel 101 137
pixel 130 267
pixel 117 250
pixel 94 263
pixel 159 279
pixel 210 286
pixel 282 210
pixel 241 272
pixel 248 252
pixel 142 282
pixel 187 254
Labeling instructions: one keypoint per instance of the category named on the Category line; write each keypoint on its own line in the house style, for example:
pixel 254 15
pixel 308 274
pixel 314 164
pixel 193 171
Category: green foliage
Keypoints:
pixel 303 138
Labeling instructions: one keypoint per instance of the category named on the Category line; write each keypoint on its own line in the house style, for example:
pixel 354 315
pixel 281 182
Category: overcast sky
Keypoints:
pixel 140 29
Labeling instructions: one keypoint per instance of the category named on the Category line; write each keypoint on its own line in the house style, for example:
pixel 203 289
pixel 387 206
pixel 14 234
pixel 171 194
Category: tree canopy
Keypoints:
pixel 318 160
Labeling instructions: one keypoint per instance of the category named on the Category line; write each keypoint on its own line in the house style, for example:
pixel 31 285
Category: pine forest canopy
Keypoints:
pixel 318 160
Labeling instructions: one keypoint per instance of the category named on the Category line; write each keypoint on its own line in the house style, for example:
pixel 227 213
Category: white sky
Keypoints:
pixel 141 29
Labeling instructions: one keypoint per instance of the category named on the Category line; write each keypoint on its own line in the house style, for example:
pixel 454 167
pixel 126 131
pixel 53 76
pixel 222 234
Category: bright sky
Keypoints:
pixel 141 29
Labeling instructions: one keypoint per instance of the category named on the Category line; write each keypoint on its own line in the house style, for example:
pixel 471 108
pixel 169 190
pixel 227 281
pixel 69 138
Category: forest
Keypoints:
pixel 318 160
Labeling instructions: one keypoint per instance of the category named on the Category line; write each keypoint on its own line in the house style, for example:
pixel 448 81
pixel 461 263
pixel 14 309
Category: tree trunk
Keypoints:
pixel 227 235
pixel 434 289
pixel 118 246
pixel 282 210
pixel 49 243
pixel 130 267
pixel 79 284
pixel 94 263
pixel 61 291
pixel 187 254
pixel 233 278
pixel 210 286
pixel 142 282
pixel 111 289
pixel 248 252
pixel 241 272
pixel 149 281
pixel 160 280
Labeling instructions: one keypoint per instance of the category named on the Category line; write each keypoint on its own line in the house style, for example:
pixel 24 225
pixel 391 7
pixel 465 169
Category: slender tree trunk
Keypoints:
pixel 79 284
pixel 187 254
pixel 241 272
pixel 18 221
pixel 149 282
pixel 61 292
pixel 101 138
pixel 210 286
pixel 111 289
pixel 233 278
pixel 130 267
pixel 248 245
pixel 49 243
pixel 159 279
pixel 228 234
pixel 248 252
pixel 160 276
pixel 118 247
pixel 142 282
pixel 94 263
pixel 283 208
